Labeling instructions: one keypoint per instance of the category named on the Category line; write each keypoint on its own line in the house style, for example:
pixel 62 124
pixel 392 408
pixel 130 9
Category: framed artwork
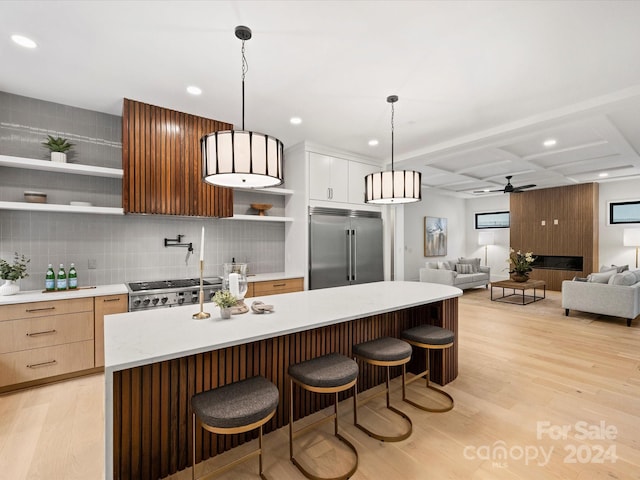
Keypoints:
pixel 435 237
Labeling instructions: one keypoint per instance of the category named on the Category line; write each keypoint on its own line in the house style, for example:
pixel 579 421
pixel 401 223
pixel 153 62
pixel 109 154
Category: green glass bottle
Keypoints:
pixel 73 277
pixel 50 279
pixel 61 279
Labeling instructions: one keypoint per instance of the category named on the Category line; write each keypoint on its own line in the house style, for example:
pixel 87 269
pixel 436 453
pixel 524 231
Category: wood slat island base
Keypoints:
pixel 150 403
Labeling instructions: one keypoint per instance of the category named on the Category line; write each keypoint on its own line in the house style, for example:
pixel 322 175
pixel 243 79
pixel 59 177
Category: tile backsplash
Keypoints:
pixel 123 248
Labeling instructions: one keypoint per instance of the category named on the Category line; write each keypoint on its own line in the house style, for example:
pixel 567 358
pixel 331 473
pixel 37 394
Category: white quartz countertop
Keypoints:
pixel 140 338
pixel 82 292
pixel 267 277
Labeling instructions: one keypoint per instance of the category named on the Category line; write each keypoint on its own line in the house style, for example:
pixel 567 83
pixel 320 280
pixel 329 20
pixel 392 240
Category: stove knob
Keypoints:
pixel 180 300
pixel 164 300
pixel 136 302
pixel 155 300
pixel 146 301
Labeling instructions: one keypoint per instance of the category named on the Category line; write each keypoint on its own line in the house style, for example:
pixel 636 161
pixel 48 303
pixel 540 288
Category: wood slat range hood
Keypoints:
pixel 162 163
pixel 561 221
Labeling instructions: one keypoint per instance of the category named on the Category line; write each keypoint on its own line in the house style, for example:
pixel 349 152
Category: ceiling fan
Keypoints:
pixel 508 188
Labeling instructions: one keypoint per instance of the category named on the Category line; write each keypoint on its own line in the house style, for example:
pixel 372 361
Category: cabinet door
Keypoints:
pixel 328 178
pixel 106 305
pixel 357 172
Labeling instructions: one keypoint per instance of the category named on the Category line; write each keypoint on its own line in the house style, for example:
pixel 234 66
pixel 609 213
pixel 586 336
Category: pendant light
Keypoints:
pixel 241 158
pixel 392 187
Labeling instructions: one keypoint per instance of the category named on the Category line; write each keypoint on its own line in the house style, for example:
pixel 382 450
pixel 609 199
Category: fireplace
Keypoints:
pixel 557 262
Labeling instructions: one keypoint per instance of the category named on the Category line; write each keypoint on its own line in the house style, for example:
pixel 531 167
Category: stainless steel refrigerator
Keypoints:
pixel 345 247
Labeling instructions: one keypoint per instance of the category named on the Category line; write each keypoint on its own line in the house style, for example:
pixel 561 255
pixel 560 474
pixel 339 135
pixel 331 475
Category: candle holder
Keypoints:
pixel 201 315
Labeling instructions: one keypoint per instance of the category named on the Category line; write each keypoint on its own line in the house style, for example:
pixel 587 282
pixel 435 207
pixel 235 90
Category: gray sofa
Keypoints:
pixel 615 294
pixel 447 273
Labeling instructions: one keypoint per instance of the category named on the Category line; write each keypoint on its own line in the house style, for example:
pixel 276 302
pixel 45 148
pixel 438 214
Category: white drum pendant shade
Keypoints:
pixel 242 159
pixel 400 186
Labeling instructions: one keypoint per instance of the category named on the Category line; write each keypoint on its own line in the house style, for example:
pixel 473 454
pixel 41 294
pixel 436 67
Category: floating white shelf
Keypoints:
pixel 71 168
pixel 52 207
pixel 271 191
pixel 258 218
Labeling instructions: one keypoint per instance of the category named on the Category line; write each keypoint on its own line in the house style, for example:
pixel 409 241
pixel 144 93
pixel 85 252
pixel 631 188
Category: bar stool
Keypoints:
pixel 332 373
pixel 428 337
pixel 384 352
pixel 235 408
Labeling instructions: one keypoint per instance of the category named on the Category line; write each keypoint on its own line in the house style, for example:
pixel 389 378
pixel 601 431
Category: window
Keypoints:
pixel 624 212
pixel 492 220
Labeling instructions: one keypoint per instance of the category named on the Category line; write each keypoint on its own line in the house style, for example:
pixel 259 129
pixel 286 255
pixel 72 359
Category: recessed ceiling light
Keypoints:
pixel 604 174
pixel 193 90
pixel 373 142
pixel 295 120
pixel 550 142
pixel 24 41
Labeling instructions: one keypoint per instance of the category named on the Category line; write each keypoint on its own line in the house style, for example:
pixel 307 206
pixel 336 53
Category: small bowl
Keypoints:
pixel 261 207
pixel 35 197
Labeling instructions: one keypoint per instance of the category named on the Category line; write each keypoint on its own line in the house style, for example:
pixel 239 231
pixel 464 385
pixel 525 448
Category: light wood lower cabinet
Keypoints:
pixel 106 305
pixel 272 287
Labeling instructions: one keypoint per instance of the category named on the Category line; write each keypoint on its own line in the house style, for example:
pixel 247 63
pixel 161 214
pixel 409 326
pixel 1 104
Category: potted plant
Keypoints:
pixel 225 301
pixel 520 265
pixel 11 272
pixel 58 148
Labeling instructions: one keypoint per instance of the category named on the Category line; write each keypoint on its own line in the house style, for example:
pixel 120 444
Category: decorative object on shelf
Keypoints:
pixel 261 207
pixel 241 158
pixel 58 147
pixel 485 239
pixel 631 238
pixel 224 300
pixel 393 187
pixel 520 265
pixel 435 237
pixel 11 272
pixel 35 197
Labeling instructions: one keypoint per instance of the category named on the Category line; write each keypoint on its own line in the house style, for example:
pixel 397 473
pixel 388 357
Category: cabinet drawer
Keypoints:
pixel 27 365
pixel 48 308
pixel 277 286
pixel 28 333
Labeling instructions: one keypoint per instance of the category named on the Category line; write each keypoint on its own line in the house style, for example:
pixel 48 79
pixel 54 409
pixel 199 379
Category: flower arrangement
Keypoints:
pixel 520 263
pixel 224 299
pixel 16 270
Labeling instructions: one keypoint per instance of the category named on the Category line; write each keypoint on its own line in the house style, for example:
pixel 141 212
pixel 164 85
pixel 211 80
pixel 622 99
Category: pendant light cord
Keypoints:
pixel 392 115
pixel 245 69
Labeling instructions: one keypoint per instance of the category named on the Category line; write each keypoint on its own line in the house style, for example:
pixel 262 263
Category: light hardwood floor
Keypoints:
pixel 526 373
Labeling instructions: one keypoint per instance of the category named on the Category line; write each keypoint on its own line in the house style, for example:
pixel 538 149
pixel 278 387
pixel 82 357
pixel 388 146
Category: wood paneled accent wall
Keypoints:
pixel 152 416
pixel 162 163
pixel 570 215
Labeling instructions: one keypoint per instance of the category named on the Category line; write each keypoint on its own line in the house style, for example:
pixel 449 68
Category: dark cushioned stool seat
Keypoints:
pixel 237 404
pixel 429 334
pixel 384 349
pixel 332 370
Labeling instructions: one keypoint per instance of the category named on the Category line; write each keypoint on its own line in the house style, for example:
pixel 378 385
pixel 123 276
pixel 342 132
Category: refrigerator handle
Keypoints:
pixel 348 230
pixel 354 241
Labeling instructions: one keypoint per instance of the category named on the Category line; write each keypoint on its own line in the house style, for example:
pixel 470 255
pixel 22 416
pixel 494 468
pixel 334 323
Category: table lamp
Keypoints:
pixel 486 239
pixel 631 238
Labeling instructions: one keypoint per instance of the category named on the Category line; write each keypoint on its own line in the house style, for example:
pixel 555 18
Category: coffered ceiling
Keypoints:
pixel 482 84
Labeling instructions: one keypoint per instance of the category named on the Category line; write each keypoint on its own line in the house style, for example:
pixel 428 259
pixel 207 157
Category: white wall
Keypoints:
pixel 612 252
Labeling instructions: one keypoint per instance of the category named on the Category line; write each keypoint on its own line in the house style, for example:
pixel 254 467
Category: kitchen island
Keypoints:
pixel 156 360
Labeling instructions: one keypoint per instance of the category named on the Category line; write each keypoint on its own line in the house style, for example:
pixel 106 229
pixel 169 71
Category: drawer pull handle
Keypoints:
pixel 279 284
pixel 46 332
pixel 112 300
pixel 43 364
pixel 29 310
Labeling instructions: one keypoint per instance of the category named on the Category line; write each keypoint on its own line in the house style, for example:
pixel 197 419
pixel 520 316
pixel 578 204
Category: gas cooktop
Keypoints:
pixel 166 284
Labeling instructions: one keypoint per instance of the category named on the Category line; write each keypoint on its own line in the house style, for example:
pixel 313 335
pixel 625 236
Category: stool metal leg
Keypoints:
pixel 384 438
pixel 426 375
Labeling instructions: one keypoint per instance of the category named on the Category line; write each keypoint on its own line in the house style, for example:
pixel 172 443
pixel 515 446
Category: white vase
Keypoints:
pixel 10 287
pixel 59 157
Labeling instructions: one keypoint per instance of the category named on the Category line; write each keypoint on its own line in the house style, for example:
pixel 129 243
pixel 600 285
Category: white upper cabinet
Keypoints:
pixel 357 172
pixel 328 178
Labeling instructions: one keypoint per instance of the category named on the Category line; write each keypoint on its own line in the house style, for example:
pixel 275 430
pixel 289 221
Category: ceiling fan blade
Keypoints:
pixel 489 191
pixel 522 187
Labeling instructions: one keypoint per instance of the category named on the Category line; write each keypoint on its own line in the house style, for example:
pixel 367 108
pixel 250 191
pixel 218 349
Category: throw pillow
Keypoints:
pixel 433 265
pixel 474 262
pixel 626 278
pixel 621 268
pixel 604 268
pixel 444 266
pixel 637 275
pixel 464 268
pixel 579 279
pixel 602 277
